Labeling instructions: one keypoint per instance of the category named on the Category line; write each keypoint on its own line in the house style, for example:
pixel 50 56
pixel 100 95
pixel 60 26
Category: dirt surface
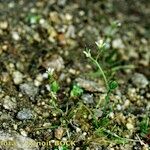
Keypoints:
pixel 42 34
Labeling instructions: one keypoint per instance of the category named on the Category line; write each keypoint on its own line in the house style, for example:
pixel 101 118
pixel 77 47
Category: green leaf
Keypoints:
pixel 55 87
pixel 113 85
pixel 76 91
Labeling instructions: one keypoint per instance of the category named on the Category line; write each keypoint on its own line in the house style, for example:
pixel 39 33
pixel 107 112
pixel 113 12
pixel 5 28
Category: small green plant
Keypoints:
pixel 110 85
pixel 33 18
pixel 54 86
pixel 144 126
pixel 76 91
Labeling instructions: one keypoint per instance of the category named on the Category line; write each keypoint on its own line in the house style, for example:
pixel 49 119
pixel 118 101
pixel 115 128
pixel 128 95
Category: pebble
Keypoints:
pixel 139 80
pixel 54 17
pixel 71 32
pixel 17 142
pixel 126 104
pixel 17 77
pixel 3 25
pixel 87 98
pixel 118 44
pixel 119 107
pixel 23 133
pixel 88 85
pixel 24 114
pixel 61 2
pixel 29 89
pixel 98 113
pixel 56 62
pixel 38 80
pixel 59 133
pixel 9 103
pixel 129 126
pixel 15 36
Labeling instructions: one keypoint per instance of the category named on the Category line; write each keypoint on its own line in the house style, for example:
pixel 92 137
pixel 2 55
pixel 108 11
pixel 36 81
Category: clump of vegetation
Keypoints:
pixel 110 85
pixel 76 91
pixel 93 117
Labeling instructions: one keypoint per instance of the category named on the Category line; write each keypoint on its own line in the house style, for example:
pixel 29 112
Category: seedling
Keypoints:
pixel 110 85
pixel 54 86
pixel 145 129
pixel 76 91
pixel 33 18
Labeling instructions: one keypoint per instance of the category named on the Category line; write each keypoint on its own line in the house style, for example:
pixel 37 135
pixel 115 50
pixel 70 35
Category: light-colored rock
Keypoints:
pixel 61 2
pixel 56 62
pixel 24 114
pixel 59 133
pixel 118 44
pixel 15 36
pixel 129 126
pixel 29 89
pixel 139 80
pixel 87 98
pixel 9 103
pixel 17 77
pixel 90 86
pixel 71 32
pixel 14 141
pixel 3 25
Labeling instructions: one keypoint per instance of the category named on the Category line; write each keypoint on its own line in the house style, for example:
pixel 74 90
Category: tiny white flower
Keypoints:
pixel 87 53
pixel 100 43
pixel 50 71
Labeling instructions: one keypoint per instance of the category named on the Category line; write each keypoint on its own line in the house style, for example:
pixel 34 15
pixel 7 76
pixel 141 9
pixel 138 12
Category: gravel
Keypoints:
pixel 88 85
pixel 25 114
pixel 87 98
pixel 17 77
pixel 9 103
pixel 16 141
pixel 29 89
pixel 139 80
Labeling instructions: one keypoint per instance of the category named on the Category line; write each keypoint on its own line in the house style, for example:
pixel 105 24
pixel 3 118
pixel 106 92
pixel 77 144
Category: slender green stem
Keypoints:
pixel 101 70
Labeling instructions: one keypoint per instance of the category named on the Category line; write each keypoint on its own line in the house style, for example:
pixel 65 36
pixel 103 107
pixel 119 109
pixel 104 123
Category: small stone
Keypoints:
pixel 61 2
pixel 17 142
pixel 126 104
pixel 119 107
pixel 9 103
pixel 39 77
pixel 56 62
pixel 118 44
pixel 23 133
pixel 98 113
pixel 129 126
pixel 15 126
pixel 68 17
pixel 17 77
pixel 37 83
pixel 54 17
pixel 59 133
pixel 15 36
pixel 61 39
pixel 139 80
pixel 111 115
pixel 87 98
pixel 3 25
pixel 78 130
pixel 71 32
pixel 29 89
pixel 24 114
pixel 88 85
